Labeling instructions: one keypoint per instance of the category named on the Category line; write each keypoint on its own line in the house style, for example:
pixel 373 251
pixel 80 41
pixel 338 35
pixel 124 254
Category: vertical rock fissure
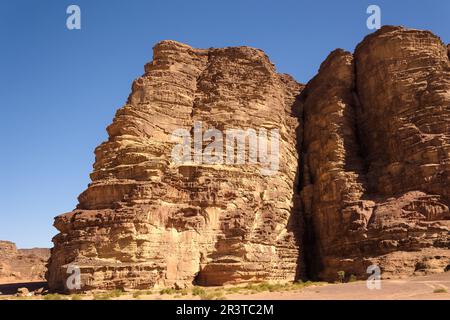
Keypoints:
pixel 310 259
pixel 357 108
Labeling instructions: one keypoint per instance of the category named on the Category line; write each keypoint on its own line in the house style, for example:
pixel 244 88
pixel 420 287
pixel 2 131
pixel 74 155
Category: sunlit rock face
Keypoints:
pixel 376 185
pixel 362 177
pixel 147 221
pixel 22 265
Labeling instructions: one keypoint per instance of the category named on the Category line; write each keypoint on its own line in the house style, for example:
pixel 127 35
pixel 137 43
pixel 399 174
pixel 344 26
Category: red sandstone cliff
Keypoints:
pixel 364 173
pixel 376 182
pixel 22 265
pixel 145 221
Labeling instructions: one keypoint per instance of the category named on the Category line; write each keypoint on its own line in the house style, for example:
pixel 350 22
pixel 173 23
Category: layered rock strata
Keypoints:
pixel 363 175
pixel 146 220
pixel 22 265
pixel 376 149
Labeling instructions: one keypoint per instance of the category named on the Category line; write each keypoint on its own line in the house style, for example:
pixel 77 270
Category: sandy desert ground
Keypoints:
pixel 431 287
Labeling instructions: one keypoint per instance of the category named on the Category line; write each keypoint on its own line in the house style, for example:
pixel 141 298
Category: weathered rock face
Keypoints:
pixel 376 177
pixel 364 171
pixel 145 220
pixel 22 265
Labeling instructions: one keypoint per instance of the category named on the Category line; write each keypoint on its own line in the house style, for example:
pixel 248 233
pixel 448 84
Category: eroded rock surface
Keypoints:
pixel 377 156
pixel 364 171
pixel 146 221
pixel 22 265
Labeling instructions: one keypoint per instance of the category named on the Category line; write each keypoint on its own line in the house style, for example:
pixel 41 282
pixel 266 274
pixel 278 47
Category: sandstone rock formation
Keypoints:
pixel 376 173
pixel 364 171
pixel 22 265
pixel 146 221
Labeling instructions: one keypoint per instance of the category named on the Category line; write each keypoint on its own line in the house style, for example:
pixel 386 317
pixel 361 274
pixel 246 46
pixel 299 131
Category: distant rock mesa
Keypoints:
pixel 364 174
pixel 22 265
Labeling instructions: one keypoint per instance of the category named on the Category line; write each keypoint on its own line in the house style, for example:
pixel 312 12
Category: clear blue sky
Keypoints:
pixel 59 89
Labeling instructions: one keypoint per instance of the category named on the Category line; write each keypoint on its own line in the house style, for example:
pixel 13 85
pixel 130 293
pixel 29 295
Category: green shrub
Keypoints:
pixel 184 292
pixel 197 291
pixel 233 289
pixel 167 291
pixel 54 296
pixel 116 293
pixel 440 290
pixel 341 276
pixel 103 296
pixel 214 295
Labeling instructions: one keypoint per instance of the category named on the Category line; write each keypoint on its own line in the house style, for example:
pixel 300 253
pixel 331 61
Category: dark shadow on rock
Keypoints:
pixel 11 288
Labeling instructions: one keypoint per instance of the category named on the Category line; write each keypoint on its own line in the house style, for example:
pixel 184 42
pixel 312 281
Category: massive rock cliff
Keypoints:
pixel 146 220
pixel 376 172
pixel 363 175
